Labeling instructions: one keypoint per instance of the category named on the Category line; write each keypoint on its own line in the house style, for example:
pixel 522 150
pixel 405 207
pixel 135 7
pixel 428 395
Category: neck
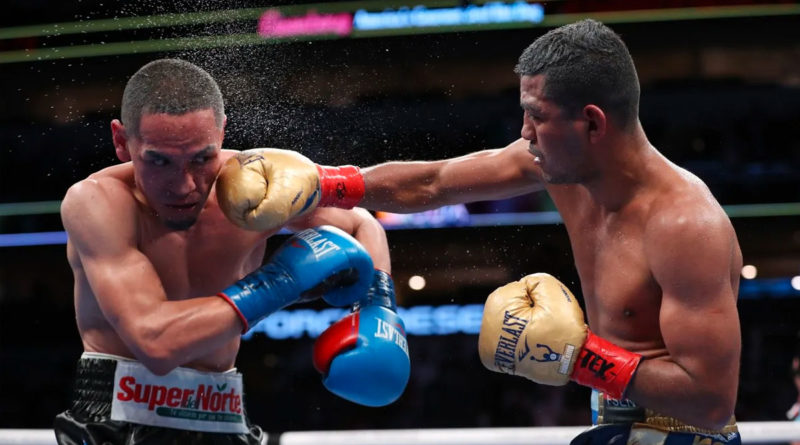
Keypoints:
pixel 623 169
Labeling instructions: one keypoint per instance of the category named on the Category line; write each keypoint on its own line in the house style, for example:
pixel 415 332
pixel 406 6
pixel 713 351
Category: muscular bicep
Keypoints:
pixel 692 261
pixel 125 286
pixel 101 224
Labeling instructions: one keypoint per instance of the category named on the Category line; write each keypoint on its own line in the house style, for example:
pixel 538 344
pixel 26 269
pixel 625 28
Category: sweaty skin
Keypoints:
pixel 197 262
pixel 657 257
pixel 150 247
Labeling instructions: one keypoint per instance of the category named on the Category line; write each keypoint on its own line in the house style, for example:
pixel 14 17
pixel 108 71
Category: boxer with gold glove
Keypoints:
pixel 534 327
pixel 264 188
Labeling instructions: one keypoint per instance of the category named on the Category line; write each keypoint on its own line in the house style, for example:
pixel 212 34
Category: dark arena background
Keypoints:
pixel 720 97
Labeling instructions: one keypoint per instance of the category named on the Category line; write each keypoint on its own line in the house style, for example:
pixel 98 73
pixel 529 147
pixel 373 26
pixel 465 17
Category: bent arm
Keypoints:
pixel 697 381
pixel 101 221
pixel 357 222
pixel 407 187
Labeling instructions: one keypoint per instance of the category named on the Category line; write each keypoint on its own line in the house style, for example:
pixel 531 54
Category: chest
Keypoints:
pixel 622 298
pixel 203 260
pixel 608 258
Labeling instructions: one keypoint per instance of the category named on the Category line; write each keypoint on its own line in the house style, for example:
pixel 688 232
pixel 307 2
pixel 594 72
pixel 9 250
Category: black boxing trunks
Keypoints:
pixel 118 401
pixel 622 422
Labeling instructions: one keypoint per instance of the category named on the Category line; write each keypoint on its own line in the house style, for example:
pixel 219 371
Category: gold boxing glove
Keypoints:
pixel 534 327
pixel 263 189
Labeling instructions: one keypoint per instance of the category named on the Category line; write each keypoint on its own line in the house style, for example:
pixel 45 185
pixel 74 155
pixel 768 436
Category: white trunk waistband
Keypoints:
pixel 184 399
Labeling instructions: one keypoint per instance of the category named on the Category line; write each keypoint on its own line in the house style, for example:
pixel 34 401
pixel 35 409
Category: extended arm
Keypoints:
pixel 404 187
pixel 263 189
pixel 692 261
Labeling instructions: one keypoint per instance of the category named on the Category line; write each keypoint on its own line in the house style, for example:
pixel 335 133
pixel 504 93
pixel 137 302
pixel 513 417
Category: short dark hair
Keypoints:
pixel 171 86
pixel 582 63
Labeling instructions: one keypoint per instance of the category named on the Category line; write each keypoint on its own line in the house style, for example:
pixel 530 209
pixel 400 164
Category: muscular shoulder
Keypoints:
pixel 689 235
pixel 101 205
pixel 96 191
pixel 686 207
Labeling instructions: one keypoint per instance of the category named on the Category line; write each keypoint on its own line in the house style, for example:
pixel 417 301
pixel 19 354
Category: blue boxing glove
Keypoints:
pixel 364 356
pixel 321 262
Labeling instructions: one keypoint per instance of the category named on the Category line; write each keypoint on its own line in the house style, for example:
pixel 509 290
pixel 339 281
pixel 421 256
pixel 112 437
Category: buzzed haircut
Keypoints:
pixel 585 63
pixel 170 86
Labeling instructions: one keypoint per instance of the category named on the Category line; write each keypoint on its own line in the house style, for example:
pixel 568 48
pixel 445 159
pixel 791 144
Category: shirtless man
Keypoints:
pixel 165 283
pixel 657 257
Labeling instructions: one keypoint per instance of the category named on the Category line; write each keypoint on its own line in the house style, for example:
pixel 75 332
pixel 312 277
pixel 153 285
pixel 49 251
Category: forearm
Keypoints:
pixel 668 388
pixel 406 187
pixel 372 236
pixel 402 187
pixel 178 332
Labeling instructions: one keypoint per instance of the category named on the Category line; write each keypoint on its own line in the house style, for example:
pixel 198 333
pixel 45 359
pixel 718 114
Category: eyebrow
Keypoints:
pixel 205 151
pixel 531 108
pixel 152 153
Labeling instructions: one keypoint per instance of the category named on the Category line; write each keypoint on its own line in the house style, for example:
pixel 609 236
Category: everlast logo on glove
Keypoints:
pixel 319 244
pixel 505 356
pixel 183 399
pixel 388 332
pixel 341 190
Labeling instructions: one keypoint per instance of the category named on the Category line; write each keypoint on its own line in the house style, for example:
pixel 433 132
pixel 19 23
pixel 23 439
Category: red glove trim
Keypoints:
pixel 605 366
pixel 340 336
pixel 341 187
pixel 238 312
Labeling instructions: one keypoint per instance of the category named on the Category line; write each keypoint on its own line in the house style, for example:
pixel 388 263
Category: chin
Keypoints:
pixel 180 224
pixel 556 180
pixel 563 178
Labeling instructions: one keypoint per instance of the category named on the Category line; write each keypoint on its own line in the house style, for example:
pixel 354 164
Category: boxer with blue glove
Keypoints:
pixel 153 241
pixel 364 356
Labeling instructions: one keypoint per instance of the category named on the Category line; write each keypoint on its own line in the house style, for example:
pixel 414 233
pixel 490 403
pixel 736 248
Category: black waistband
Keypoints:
pixel 622 411
pixel 93 387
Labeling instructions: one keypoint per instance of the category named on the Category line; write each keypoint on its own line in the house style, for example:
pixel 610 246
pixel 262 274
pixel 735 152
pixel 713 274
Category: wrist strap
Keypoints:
pixel 261 293
pixel 380 293
pixel 245 324
pixel 341 187
pixel 605 366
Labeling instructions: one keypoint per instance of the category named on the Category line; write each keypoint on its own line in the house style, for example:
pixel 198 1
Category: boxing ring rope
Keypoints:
pixel 752 433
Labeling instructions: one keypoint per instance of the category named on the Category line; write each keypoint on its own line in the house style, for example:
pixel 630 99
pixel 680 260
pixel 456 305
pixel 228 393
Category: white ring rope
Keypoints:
pixel 752 432
pixel 444 436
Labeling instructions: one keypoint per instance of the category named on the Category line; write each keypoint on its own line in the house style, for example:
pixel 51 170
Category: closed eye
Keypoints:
pixel 533 116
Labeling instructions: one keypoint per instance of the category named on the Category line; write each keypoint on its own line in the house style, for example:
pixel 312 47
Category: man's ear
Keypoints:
pixel 120 138
pixel 597 122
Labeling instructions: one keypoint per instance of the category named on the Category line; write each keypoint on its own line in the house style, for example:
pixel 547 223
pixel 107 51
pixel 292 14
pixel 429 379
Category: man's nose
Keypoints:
pixel 185 183
pixel 528 132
